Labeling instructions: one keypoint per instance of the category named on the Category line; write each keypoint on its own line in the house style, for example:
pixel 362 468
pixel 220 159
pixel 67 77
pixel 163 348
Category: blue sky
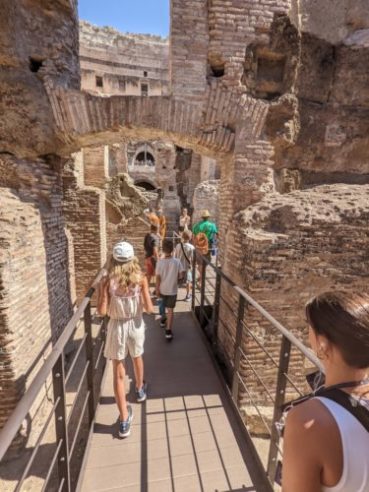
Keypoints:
pixel 136 16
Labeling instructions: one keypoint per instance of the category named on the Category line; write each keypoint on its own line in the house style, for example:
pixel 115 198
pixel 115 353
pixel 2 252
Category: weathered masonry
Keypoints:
pixel 274 90
pixel 114 63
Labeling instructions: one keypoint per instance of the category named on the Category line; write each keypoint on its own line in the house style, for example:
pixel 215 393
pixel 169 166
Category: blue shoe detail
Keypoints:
pixel 125 425
pixel 141 394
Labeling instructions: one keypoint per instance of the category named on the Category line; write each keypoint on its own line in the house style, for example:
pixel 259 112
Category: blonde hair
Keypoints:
pixel 125 274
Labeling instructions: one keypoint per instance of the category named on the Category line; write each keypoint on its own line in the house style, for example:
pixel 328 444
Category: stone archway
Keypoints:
pixel 146 185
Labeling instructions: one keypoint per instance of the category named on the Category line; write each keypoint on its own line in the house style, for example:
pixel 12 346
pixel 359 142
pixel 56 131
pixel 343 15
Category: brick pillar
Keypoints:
pixel 34 285
pixel 188 54
pixel 85 215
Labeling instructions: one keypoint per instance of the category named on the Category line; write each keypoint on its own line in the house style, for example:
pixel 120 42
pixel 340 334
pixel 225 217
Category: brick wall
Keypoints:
pixel 188 54
pixel 35 302
pixel 84 211
pixel 294 246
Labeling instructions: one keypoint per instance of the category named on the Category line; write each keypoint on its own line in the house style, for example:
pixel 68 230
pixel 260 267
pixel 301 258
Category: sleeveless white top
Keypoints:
pixel 355 444
pixel 126 305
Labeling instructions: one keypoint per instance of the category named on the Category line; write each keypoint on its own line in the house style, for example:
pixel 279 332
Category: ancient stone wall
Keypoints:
pixel 274 90
pixel 121 63
pixel 206 197
pixel 34 294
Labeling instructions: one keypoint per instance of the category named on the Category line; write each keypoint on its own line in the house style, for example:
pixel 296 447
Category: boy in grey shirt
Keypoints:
pixel 168 271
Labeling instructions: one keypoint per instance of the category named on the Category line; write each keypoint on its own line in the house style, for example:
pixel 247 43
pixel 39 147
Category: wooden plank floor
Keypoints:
pixel 184 437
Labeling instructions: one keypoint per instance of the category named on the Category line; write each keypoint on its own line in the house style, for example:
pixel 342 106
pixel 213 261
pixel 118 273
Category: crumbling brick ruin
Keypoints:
pixel 273 91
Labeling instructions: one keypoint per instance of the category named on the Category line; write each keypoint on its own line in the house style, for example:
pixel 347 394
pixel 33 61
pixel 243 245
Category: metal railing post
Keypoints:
pixel 193 300
pixel 202 291
pixel 90 359
pixel 284 360
pixel 237 343
pixel 218 281
pixel 61 428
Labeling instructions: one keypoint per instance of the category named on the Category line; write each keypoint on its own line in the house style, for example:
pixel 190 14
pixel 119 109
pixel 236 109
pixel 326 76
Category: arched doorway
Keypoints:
pixel 146 185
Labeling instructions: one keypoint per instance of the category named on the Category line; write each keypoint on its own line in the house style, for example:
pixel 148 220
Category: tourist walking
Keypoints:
pixel 184 221
pixel 123 296
pixel 151 247
pixel 205 234
pixel 326 439
pixel 184 252
pixel 152 216
pixel 169 271
pixel 162 224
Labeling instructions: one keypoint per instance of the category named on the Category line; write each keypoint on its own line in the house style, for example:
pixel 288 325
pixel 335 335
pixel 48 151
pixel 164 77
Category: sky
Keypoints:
pixel 135 16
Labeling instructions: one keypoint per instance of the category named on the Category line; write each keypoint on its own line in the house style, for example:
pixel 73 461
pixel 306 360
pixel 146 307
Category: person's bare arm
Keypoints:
pixel 157 287
pixel 103 296
pixel 146 299
pixel 301 452
pixel 155 252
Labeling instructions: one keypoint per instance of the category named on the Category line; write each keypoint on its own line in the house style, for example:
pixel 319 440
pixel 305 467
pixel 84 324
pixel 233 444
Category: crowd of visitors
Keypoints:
pixel 332 422
pixel 124 295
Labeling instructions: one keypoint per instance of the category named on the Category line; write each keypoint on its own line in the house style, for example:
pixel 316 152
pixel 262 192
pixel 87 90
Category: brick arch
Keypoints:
pixel 209 127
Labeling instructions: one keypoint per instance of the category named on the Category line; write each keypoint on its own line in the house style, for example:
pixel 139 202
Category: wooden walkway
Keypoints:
pixel 184 437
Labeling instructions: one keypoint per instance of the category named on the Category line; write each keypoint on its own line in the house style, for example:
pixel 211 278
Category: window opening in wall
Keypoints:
pixel 99 81
pixel 145 158
pixel 217 71
pixel 145 73
pixel 171 188
pixel 35 64
pixel 144 90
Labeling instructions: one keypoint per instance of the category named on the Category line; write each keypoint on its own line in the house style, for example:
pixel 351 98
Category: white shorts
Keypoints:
pixel 123 337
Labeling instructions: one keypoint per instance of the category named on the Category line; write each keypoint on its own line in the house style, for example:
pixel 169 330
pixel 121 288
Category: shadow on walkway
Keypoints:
pixel 184 437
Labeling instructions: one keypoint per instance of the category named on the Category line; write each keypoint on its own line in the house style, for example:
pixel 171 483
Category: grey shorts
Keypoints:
pixel 168 301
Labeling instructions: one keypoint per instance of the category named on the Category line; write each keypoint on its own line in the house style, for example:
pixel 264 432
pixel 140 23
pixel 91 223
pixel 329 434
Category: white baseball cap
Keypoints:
pixel 123 252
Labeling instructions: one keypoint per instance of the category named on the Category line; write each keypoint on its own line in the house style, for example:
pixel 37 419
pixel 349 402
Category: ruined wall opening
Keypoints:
pixel 217 71
pixel 144 184
pixel 269 69
pixel 35 64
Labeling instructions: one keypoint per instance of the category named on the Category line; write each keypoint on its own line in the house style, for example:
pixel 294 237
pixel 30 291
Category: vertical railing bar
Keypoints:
pixel 218 281
pixel 89 357
pixel 202 291
pixel 193 300
pixel 61 428
pixel 284 359
pixel 237 343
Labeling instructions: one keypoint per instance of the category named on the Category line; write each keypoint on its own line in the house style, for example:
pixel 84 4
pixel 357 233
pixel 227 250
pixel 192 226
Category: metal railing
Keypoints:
pixel 228 314
pixel 66 435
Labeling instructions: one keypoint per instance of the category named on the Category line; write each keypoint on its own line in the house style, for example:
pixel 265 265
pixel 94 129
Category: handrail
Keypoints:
pixel 294 340
pixel 12 425
pixel 235 357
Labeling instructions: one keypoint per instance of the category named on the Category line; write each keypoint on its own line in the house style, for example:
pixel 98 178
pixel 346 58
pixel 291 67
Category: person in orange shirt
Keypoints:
pixel 162 224
pixel 152 217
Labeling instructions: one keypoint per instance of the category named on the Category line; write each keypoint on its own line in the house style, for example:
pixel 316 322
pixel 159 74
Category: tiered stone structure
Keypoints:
pixel 261 86
pixel 114 63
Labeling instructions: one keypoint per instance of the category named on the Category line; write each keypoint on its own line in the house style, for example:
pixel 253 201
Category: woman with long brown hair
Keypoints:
pixel 326 441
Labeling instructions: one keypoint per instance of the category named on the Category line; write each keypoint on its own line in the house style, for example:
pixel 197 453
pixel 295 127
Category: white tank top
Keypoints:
pixel 355 443
pixel 126 305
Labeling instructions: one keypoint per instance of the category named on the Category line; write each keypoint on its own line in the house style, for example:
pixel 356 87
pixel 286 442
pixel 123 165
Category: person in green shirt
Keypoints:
pixel 208 228
pixel 211 231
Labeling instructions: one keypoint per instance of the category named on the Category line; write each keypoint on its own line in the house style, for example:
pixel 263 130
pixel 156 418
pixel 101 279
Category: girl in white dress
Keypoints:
pixel 124 296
